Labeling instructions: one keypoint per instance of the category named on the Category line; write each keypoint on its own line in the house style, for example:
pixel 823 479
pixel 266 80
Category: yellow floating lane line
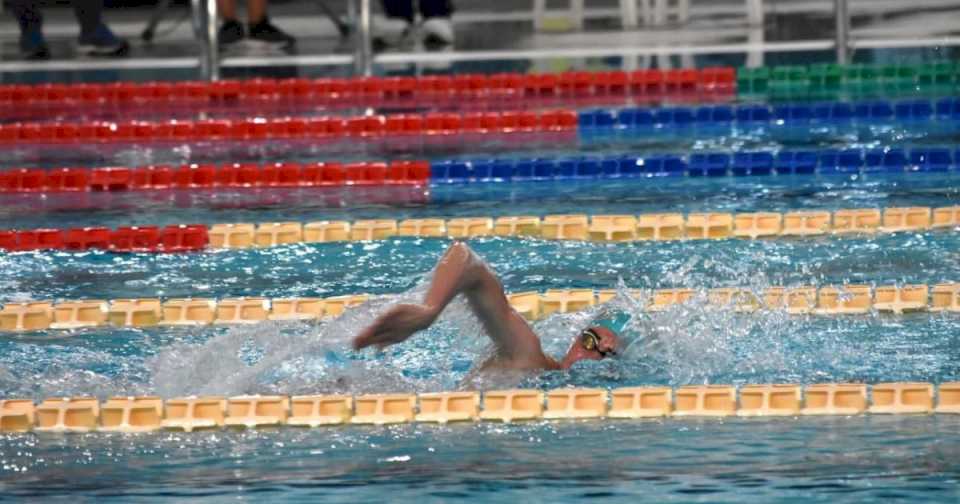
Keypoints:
pixel 598 228
pixel 149 413
pixel 149 312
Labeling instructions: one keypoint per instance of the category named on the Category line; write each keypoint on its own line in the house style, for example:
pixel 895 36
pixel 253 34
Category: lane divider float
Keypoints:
pixel 943 113
pixel 774 82
pixel 211 176
pixel 479 170
pixel 579 227
pixel 440 125
pixel 137 414
pixel 149 312
pixel 373 91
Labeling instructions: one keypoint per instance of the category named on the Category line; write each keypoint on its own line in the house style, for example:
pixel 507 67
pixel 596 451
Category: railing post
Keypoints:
pixel 206 11
pixel 843 30
pixel 363 54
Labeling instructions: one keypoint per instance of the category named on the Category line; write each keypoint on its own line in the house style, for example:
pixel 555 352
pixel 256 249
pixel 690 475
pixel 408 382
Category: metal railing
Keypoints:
pixel 205 18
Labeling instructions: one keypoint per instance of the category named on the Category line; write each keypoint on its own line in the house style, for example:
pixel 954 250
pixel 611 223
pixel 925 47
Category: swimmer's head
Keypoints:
pixel 593 343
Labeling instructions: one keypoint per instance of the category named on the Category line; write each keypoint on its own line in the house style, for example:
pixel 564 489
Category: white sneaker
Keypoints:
pixel 389 32
pixel 437 31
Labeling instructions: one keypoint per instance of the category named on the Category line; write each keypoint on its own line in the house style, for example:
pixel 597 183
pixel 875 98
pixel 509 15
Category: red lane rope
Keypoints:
pixel 209 176
pixel 315 128
pixel 171 239
pixel 379 90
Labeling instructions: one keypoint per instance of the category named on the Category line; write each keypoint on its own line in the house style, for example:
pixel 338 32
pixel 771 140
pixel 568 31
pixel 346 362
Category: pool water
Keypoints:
pixel 740 460
pixel 838 459
pixel 865 459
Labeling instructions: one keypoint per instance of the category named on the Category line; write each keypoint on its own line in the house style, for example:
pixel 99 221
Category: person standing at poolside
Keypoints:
pixel 437 26
pixel 96 38
pixel 517 347
pixel 259 29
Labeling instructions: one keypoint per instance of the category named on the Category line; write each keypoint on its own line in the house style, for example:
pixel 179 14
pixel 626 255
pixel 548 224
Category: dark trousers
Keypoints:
pixel 88 14
pixel 428 8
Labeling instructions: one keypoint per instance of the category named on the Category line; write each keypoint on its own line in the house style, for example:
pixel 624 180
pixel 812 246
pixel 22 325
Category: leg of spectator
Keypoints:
pixel 30 20
pixel 96 38
pixel 89 14
pixel 256 11
pixel 400 9
pixel 231 31
pixel 262 31
pixel 227 9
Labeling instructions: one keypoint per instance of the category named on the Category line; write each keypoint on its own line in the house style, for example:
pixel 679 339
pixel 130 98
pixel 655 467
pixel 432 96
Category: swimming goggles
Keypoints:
pixel 590 340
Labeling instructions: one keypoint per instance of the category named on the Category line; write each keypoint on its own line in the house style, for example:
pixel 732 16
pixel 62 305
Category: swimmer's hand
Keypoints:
pixel 395 326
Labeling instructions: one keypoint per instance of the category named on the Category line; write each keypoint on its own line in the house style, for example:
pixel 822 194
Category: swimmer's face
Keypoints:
pixel 597 343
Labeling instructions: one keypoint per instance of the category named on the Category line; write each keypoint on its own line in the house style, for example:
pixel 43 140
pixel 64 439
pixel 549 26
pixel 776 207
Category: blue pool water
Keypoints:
pixel 836 459
pixel 863 459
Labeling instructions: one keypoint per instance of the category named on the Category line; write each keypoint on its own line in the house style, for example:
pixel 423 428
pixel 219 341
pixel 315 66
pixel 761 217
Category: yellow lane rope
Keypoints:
pixel 149 413
pixel 147 312
pixel 608 228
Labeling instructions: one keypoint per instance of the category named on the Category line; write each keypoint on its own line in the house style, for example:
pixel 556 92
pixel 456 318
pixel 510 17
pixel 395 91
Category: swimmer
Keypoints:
pixel 517 347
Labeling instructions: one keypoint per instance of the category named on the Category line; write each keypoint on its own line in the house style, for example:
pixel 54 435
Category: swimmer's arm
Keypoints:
pixel 459 271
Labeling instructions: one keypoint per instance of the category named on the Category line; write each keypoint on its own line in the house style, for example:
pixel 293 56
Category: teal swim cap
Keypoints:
pixel 615 321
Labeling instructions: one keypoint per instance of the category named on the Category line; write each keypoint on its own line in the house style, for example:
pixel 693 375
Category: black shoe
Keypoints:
pixel 230 32
pixel 33 46
pixel 265 33
pixel 102 42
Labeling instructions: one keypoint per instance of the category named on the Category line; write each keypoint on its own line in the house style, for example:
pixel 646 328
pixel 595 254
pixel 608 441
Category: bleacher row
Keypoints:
pixel 150 413
pixel 149 312
pixel 326 174
pixel 581 227
pixel 778 81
